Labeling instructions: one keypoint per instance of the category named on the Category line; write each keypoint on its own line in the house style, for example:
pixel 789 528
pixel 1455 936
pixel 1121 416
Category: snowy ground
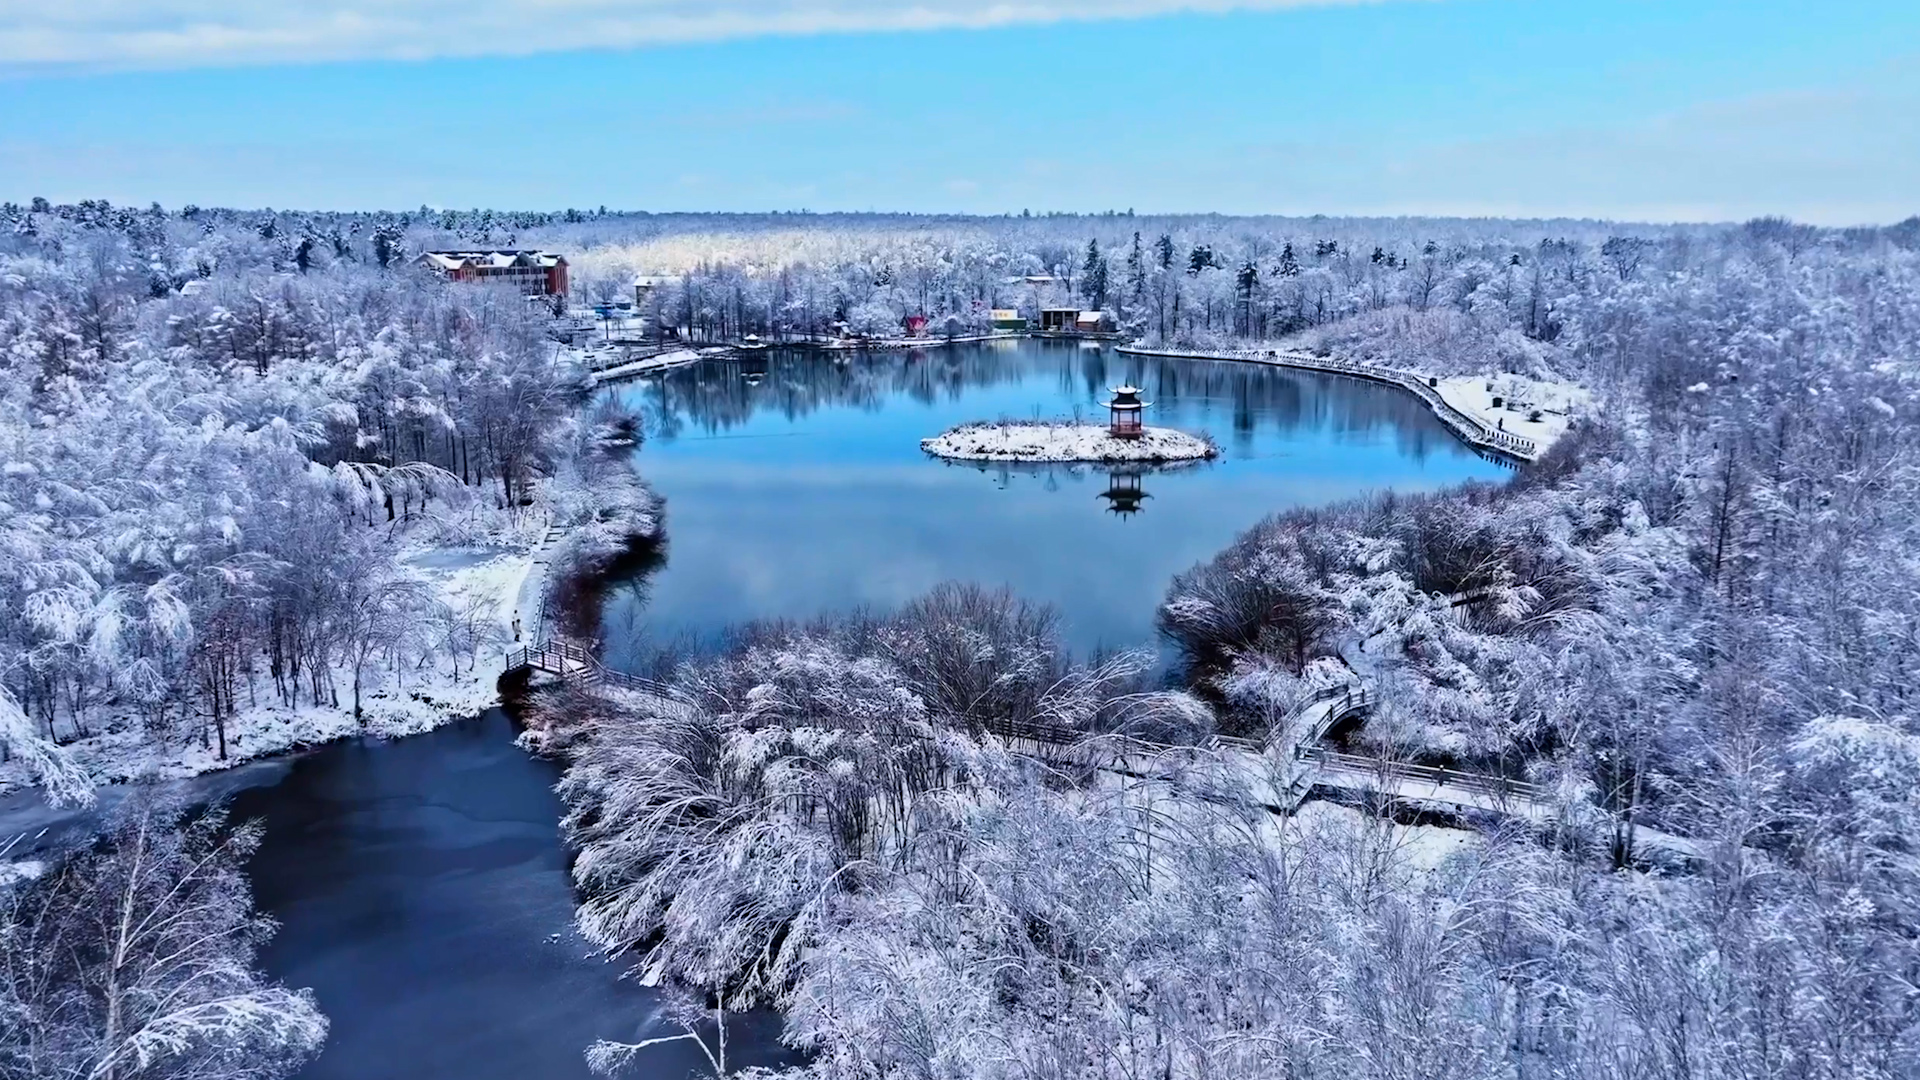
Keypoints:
pixel 494 581
pixel 1557 404
pixel 652 363
pixel 1064 441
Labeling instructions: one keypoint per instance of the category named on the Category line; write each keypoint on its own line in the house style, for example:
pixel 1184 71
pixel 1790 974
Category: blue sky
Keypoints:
pixel 1642 109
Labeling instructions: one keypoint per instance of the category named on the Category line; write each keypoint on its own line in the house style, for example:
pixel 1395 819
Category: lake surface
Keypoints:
pixel 423 894
pixel 795 483
pixel 422 885
pixel 422 891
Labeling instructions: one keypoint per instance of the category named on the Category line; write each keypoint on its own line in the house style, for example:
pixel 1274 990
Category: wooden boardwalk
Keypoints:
pixel 574 664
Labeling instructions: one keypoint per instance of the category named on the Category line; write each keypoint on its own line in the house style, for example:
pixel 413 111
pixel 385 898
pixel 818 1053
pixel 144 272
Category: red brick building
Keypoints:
pixel 533 273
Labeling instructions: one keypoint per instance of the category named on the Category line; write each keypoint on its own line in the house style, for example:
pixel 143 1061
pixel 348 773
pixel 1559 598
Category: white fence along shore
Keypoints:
pixel 1470 429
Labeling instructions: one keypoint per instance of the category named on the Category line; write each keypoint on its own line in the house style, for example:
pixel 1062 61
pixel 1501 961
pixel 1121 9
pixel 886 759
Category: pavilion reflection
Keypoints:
pixel 1242 402
pixel 1124 493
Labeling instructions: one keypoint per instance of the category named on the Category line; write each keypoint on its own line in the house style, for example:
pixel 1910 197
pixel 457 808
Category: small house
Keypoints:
pixel 1093 322
pixel 914 325
pixel 645 286
pixel 1006 319
pixel 1058 320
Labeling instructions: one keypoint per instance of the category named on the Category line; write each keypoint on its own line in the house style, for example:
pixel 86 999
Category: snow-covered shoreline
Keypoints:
pixel 1063 440
pixel 1457 401
pixel 661 362
pixel 493 583
pixel 858 344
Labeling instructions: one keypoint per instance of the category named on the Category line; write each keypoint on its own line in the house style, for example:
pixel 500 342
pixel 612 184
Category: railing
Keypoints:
pixel 1497 786
pixel 1469 428
pixel 1348 698
pixel 574 662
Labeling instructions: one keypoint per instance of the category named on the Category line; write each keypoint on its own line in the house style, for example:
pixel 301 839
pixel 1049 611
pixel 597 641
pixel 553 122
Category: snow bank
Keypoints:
pixel 1065 441
pixel 485 586
pixel 26 870
pixel 662 362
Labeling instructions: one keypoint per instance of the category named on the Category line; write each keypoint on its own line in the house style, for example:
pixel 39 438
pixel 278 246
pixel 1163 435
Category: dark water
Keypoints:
pixel 422 886
pixel 795 484
pixel 422 891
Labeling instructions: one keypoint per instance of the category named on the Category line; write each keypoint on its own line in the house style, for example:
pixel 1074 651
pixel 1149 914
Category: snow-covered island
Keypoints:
pixel 1062 440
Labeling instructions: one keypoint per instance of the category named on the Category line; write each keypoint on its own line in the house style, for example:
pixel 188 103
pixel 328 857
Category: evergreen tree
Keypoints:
pixel 1245 282
pixel 1163 248
pixel 1200 259
pixel 1289 262
pixel 386 245
pixel 1136 271
pixel 1093 276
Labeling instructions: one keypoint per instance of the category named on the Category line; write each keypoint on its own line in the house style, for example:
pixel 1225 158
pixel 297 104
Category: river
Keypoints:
pixel 422 886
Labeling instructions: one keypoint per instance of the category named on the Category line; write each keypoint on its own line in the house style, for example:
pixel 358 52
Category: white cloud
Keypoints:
pixel 193 33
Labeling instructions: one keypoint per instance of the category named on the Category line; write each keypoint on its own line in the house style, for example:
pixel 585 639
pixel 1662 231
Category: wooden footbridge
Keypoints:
pixel 573 663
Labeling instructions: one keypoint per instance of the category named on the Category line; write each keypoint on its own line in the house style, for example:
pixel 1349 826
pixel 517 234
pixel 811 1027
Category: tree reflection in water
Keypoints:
pixel 804 491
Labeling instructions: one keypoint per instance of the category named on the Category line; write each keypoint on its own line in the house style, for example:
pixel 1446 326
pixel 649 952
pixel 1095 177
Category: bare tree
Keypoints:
pixel 134 959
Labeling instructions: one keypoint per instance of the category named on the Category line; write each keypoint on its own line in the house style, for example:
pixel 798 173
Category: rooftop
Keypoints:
pixel 497 257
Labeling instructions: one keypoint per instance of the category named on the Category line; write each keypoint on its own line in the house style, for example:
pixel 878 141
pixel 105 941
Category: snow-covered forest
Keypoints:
pixel 250 471
pixel 1697 614
pixel 253 460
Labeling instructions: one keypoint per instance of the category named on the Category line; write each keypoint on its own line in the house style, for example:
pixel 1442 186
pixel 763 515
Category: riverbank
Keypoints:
pixel 1466 412
pixel 480 597
pixel 1065 441
pixel 664 361
pixel 478 592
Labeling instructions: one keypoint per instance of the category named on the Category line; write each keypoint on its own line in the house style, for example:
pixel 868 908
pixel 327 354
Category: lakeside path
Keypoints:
pixel 881 344
pixel 1472 429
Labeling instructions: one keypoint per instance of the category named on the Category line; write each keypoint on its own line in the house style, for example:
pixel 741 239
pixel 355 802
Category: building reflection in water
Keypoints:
pixel 1124 494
